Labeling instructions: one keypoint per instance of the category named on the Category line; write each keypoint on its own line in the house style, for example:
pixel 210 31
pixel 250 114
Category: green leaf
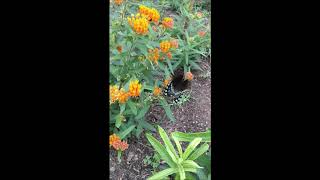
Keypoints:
pixel 191 147
pixel 201 174
pixel 163 174
pixel 202 149
pixel 195 65
pixel 122 108
pixel 178 145
pixel 194 170
pixel 133 107
pixel 118 121
pixel 182 173
pixel 167 109
pixel 190 164
pixel 138 130
pixel 143 112
pixel 170 65
pixel 124 133
pixel 190 176
pixel 188 137
pixel 168 144
pixel 160 149
pixel 147 125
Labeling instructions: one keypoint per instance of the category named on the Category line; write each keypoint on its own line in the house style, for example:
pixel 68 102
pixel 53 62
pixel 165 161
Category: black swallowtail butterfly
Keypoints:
pixel 176 86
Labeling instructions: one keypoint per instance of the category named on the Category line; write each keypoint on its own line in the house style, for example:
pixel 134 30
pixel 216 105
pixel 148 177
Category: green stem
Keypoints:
pixel 119 156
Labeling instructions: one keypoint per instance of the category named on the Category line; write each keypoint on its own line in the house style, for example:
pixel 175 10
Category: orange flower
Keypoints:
pixel 156 91
pixel 139 24
pixel 119 48
pixel 165 46
pixel 113 93
pixel 167 22
pixel 134 88
pixel 123 96
pixel 154 55
pixel 113 139
pixel 202 33
pixel 151 13
pixel 118 2
pixel 189 76
pixel 174 43
pixel 169 55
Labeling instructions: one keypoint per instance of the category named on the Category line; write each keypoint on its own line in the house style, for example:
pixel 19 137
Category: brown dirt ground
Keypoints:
pixel 193 116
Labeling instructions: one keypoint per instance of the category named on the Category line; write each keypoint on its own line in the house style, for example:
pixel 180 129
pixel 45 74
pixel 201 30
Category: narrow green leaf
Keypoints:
pixel 194 170
pixel 163 174
pixel 168 144
pixel 133 107
pixel 202 149
pixel 138 130
pixel 143 112
pixel 167 109
pixel 122 108
pixel 182 173
pixel 188 137
pixel 191 147
pixel 124 133
pixel 118 121
pixel 170 65
pixel 178 145
pixel 190 164
pixel 160 149
pixel 147 125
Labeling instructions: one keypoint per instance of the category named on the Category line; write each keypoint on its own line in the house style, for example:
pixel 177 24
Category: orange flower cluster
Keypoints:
pixel 189 76
pixel 117 144
pixel 134 88
pixel 167 22
pixel 139 24
pixel 157 91
pixel 118 2
pixel 154 55
pixel 165 46
pixel 202 33
pixel 151 13
pixel 121 95
pixel 114 93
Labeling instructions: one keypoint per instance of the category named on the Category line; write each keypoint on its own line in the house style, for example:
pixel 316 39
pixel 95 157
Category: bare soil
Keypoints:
pixel 193 116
